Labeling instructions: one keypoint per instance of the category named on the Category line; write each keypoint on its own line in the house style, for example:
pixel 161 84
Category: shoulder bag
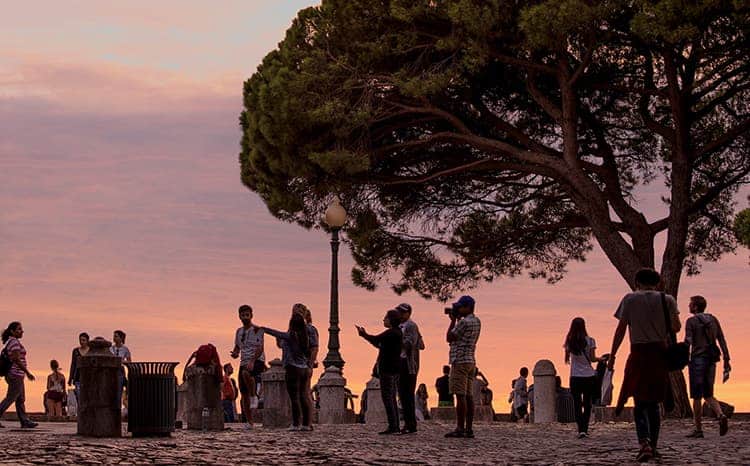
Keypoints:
pixel 677 354
pixel 713 350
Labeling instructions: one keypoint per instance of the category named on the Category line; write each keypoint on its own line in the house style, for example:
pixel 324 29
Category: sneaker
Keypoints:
pixel 306 428
pixel 247 426
pixel 582 435
pixel 469 434
pixel 723 425
pixel 695 434
pixel 408 431
pixel 645 454
pixel 455 434
pixel 389 432
pixel 29 425
pixel 293 429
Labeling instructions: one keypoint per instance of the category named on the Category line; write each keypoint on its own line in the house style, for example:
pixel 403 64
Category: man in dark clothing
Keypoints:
pixel 411 345
pixel 442 384
pixel 389 365
pixel 702 331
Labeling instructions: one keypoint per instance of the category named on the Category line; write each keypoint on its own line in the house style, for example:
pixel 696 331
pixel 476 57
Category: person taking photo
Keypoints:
pixel 462 336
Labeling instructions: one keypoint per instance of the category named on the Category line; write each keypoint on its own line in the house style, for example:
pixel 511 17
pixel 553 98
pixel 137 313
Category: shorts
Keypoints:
pixel 461 379
pixel 702 374
pixel 248 387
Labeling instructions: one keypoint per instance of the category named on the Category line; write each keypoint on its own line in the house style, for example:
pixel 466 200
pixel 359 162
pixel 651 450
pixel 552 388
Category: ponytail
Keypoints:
pixel 8 331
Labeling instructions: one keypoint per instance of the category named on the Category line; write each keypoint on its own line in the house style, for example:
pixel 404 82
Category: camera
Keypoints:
pixel 451 311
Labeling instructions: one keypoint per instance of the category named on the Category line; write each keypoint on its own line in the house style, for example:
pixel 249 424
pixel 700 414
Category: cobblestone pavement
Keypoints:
pixel 497 443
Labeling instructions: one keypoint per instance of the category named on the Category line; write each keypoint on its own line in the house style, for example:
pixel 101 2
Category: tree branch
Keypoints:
pixel 529 65
pixel 720 142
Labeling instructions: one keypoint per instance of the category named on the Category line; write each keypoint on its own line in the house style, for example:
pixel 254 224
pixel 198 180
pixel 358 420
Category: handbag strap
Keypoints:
pixel 667 321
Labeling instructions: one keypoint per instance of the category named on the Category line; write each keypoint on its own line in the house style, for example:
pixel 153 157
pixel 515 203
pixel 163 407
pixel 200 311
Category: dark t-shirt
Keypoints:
pixel 389 350
pixel 444 393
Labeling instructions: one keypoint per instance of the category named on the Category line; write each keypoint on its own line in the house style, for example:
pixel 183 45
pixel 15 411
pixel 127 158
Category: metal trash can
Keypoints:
pixel 565 407
pixel 151 398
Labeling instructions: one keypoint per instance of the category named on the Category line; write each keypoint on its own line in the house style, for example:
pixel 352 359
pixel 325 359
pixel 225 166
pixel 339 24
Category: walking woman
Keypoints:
pixel 389 363
pixel 295 357
pixel 74 378
pixel 18 371
pixel 580 351
pixel 55 391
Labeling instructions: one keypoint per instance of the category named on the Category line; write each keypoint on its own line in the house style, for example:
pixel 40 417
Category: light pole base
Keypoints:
pixel 333 399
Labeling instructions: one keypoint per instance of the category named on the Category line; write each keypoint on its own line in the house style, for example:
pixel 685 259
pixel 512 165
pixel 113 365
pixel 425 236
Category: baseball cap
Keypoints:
pixel 464 301
pixel 404 307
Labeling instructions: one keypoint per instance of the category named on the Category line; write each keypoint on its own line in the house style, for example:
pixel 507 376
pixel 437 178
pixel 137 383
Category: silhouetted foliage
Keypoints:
pixel 474 139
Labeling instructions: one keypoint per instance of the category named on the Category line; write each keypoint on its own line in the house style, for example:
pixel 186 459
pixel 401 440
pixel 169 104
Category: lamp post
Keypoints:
pixel 335 217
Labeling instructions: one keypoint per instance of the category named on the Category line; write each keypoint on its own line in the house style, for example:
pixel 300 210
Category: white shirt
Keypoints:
pixel 580 366
pixel 248 341
pixel 121 352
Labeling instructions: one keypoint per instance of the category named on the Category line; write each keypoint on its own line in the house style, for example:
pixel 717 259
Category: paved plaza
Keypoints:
pixel 497 443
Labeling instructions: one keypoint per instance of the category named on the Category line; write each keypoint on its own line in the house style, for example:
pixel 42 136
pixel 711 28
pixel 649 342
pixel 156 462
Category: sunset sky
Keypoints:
pixel 121 207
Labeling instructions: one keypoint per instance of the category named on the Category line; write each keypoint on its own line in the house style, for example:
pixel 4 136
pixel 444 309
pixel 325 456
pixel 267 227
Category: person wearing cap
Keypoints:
pixel 462 337
pixel 411 344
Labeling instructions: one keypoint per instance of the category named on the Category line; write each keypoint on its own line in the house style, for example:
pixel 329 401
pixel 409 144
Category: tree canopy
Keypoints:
pixel 742 227
pixel 475 139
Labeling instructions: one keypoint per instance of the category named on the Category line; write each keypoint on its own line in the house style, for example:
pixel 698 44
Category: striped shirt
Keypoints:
pixel 12 346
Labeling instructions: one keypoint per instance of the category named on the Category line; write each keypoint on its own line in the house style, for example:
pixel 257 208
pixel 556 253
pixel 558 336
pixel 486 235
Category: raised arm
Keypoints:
pixel 276 333
pixel 454 331
pixel 374 340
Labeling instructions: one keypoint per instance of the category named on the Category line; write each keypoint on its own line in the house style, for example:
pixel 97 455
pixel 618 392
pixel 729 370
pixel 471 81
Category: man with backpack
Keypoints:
pixel 702 331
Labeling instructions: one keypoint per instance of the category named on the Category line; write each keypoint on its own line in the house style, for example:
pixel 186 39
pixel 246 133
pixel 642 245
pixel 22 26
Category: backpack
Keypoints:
pixel 5 363
pixel 206 354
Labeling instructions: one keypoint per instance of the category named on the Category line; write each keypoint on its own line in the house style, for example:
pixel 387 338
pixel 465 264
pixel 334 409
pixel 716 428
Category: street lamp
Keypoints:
pixel 335 217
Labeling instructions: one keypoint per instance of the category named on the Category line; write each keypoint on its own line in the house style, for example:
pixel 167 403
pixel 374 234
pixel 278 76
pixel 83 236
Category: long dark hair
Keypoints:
pixel 298 332
pixel 575 342
pixel 8 331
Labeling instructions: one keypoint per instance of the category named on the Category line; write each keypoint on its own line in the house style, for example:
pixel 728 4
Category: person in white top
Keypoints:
pixel 580 352
pixel 123 352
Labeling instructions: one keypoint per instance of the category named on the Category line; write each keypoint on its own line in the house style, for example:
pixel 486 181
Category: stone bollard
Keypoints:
pixel 545 392
pixel 203 391
pixel 277 409
pixel 331 389
pixel 375 413
pixel 99 410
